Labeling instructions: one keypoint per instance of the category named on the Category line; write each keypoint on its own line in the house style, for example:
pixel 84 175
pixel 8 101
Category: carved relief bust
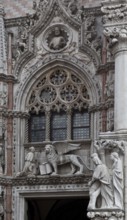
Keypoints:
pixel 56 38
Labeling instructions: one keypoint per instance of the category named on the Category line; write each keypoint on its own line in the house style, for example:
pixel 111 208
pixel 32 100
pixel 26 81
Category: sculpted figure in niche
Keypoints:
pixel 58 41
pixel 117 179
pixel 30 164
pixel 109 87
pixel 100 186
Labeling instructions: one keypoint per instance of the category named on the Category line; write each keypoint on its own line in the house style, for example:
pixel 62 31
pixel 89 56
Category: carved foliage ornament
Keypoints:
pixel 109 215
pixel 39 10
pixel 115 35
pixel 74 9
pixel 59 88
pixel 114 13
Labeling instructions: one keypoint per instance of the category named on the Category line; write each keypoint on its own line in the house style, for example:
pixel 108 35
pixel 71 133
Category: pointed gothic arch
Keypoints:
pixel 37 71
pixel 24 91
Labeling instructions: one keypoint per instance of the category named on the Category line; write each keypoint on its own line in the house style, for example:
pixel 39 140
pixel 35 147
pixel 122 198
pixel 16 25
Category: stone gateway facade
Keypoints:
pixel 63 109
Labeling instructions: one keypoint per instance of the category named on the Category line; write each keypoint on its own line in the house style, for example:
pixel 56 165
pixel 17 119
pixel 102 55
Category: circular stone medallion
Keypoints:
pixel 56 38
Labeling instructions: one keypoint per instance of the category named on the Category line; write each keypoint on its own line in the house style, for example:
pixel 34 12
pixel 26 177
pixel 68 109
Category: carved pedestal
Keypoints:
pixel 113 214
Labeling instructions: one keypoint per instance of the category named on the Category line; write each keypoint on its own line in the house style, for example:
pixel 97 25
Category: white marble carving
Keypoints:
pixel 57 41
pixel 100 186
pixel 55 159
pixel 30 164
pixel 117 180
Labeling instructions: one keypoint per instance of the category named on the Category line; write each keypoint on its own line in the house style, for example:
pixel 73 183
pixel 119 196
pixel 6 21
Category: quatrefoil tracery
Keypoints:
pixel 59 86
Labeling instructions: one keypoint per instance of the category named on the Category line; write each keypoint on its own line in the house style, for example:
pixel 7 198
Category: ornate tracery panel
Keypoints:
pixel 58 105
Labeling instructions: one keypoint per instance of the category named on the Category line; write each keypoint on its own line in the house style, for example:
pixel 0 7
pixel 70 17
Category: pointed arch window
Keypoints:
pixel 59 108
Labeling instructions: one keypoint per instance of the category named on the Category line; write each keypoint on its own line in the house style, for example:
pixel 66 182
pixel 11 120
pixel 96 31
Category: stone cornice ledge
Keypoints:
pixel 106 67
pixel 121 135
pixel 13 114
pixel 7 78
pixel 102 106
pixel 48 180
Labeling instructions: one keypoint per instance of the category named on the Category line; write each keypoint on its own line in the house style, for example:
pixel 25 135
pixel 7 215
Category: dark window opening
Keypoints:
pixel 80 125
pixel 58 126
pixel 37 124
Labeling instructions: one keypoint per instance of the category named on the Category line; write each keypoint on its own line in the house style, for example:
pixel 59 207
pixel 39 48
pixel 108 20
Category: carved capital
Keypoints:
pixel 117 37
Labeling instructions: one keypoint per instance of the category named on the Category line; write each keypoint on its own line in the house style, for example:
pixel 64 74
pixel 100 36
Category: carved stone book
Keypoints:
pixel 45 168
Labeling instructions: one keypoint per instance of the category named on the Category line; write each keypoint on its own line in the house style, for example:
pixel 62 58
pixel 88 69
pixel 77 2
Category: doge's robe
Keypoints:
pixel 101 181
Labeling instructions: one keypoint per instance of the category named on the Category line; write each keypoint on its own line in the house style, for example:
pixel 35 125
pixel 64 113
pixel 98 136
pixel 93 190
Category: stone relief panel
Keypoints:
pixel 81 151
pixel 57 36
pixel 56 159
pixel 74 9
pixel 60 158
pixel 106 186
pixel 24 39
pixel 55 39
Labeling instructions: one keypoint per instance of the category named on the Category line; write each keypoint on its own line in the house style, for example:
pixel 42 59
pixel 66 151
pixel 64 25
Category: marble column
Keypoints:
pixel 120 108
pixel 118 44
pixel 115 29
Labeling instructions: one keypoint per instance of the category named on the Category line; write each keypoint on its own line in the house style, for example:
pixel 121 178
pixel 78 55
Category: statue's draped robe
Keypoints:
pixel 117 183
pixel 101 180
pixel 57 43
pixel 29 161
